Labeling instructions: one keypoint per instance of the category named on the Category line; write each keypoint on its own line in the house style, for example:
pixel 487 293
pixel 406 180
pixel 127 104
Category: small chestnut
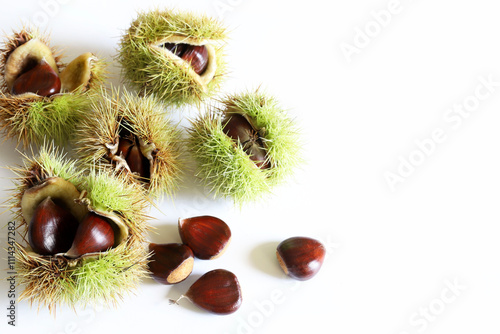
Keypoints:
pixel 218 291
pixel 52 228
pixel 207 236
pixel 41 79
pixel 94 234
pixel 300 257
pixel 170 263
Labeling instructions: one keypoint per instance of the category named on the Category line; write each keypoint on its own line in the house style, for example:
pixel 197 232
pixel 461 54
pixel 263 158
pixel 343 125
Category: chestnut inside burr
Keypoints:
pixel 196 55
pixel 238 128
pixel 38 78
pixel 130 150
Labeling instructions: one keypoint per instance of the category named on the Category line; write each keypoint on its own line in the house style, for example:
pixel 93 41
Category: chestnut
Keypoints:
pixel 197 56
pixel 238 128
pixel 129 149
pixel 41 80
pixel 52 228
pixel 170 263
pixel 218 291
pixel 300 257
pixel 94 234
pixel 207 236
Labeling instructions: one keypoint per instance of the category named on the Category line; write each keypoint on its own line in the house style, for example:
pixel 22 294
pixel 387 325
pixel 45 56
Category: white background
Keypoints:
pixel 392 253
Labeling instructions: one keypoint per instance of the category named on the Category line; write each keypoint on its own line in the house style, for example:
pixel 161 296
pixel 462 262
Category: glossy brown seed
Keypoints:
pixel 300 257
pixel 197 56
pixel 41 79
pixel 218 291
pixel 137 162
pixel 124 146
pixel 207 236
pixel 94 234
pixel 170 263
pixel 176 48
pixel 52 228
pixel 238 128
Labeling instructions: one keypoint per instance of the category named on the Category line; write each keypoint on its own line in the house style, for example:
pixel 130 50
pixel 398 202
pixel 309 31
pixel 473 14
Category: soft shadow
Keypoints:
pixel 263 257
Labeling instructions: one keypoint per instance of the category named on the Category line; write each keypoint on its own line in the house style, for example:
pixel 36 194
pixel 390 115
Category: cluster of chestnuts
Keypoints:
pixel 55 230
pixel 207 238
pixel 242 149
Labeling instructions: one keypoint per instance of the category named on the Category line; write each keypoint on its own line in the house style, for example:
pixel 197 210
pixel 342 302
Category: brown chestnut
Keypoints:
pixel 41 80
pixel 217 291
pixel 176 48
pixel 52 228
pixel 197 56
pixel 238 128
pixel 207 236
pixel 94 234
pixel 300 257
pixel 170 263
pixel 129 149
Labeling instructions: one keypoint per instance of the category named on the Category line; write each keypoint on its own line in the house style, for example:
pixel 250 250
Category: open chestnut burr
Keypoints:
pixel 132 135
pixel 244 145
pixel 36 85
pixel 174 55
pixel 85 232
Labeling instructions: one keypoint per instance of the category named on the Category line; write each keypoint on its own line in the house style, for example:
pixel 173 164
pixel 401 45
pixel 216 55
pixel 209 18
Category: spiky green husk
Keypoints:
pixel 145 118
pixel 223 165
pixel 52 281
pixel 150 72
pixel 31 120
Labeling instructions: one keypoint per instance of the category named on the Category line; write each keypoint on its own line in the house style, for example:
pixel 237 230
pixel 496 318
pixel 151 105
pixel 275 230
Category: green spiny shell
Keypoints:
pixel 31 119
pixel 223 165
pixel 152 70
pixel 104 277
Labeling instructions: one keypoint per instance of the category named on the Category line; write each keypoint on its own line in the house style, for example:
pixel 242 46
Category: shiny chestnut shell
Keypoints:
pixel 52 228
pixel 207 236
pixel 300 257
pixel 218 291
pixel 170 263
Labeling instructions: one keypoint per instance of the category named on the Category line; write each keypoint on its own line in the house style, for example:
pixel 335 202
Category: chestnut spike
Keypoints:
pixel 300 257
pixel 197 56
pixel 170 263
pixel 52 228
pixel 218 291
pixel 94 234
pixel 41 79
pixel 207 236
